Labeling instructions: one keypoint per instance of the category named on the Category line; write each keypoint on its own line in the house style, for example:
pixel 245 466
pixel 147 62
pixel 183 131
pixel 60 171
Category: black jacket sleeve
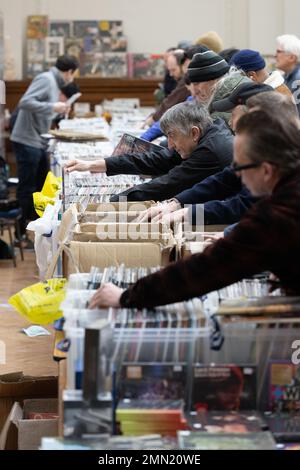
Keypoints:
pixel 148 163
pixel 216 187
pixel 194 169
pixel 225 212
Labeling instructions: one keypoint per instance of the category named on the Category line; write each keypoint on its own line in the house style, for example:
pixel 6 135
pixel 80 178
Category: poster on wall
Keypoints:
pixel 60 28
pixel 85 28
pixel 54 47
pixel 112 37
pixel 37 27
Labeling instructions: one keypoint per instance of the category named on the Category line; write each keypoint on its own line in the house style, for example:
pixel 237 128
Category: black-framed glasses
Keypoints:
pixel 247 166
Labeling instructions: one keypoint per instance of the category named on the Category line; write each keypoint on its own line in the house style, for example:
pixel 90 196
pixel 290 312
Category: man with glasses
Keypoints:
pixel 267 154
pixel 220 199
pixel 288 60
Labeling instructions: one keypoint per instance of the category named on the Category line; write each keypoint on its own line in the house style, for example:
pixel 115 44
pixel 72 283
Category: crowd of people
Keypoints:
pixel 232 155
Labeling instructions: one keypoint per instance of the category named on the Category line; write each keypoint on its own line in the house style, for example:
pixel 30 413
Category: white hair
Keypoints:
pixel 290 44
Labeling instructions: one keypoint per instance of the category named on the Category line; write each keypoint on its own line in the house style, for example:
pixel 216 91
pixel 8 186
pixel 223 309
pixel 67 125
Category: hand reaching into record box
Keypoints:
pixel 157 212
pixel 107 296
pixel 98 166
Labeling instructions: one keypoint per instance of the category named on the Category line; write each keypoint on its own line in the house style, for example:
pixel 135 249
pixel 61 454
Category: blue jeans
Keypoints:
pixel 32 169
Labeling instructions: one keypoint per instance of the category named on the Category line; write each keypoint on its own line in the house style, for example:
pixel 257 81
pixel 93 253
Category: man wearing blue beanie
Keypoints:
pixel 254 66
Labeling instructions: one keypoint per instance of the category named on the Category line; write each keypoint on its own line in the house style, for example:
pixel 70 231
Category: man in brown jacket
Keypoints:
pixel 267 157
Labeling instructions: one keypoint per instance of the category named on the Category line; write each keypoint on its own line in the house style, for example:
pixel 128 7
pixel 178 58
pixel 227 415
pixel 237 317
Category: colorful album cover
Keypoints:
pixel 111 35
pixel 152 382
pixel 131 144
pixel 92 44
pixel 54 47
pixel 227 441
pixel 106 65
pixel 224 387
pixel 239 422
pixel 151 66
pixel 35 50
pixel 60 28
pixel 35 57
pixel 85 28
pixel 284 386
pixel 74 46
pixel 37 26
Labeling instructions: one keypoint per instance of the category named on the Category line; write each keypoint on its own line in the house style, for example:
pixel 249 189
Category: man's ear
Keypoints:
pixel 268 170
pixel 196 133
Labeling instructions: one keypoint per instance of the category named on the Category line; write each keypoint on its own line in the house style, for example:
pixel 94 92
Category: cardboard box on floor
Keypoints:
pixel 22 433
pixel 17 387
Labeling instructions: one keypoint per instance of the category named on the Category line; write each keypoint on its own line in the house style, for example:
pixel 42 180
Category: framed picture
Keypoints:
pixel 60 28
pixel 54 47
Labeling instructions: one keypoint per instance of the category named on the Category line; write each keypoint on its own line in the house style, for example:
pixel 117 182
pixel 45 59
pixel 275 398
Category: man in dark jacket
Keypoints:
pixel 198 148
pixel 267 156
pixel 221 199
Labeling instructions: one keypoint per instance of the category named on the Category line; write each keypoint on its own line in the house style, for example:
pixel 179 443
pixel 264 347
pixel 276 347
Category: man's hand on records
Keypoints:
pixel 174 217
pixel 156 213
pixel 98 166
pixel 107 296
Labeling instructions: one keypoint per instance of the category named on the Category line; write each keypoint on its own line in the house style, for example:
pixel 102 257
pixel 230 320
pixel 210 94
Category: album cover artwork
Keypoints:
pixel 224 387
pixel 106 65
pixel 284 386
pixel 60 28
pixel 85 28
pixel 131 144
pixel 152 382
pixel 239 422
pixel 37 27
pixel 54 47
pixel 74 46
pixel 151 66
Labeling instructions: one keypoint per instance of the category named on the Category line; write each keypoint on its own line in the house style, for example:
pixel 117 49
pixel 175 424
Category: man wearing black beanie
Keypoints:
pixel 204 71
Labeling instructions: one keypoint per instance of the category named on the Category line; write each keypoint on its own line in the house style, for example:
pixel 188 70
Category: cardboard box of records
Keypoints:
pixel 106 235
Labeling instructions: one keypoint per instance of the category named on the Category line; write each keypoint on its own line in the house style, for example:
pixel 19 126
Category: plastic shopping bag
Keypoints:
pixel 40 303
pixel 48 194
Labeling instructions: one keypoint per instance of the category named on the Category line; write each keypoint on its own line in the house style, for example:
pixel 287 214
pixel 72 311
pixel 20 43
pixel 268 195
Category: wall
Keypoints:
pixel 154 25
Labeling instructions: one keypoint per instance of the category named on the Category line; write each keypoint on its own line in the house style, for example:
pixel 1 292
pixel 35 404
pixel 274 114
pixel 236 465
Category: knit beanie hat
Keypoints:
pixel 248 60
pixel 212 40
pixel 206 66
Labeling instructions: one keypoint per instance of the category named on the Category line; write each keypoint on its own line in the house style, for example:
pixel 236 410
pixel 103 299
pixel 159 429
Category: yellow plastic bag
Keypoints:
pixel 40 303
pixel 51 185
pixel 47 195
pixel 40 202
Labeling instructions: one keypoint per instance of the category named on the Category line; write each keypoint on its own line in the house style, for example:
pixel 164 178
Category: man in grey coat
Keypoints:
pixel 36 109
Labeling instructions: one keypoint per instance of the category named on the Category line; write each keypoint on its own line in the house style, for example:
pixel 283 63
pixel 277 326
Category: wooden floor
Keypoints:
pixel 33 356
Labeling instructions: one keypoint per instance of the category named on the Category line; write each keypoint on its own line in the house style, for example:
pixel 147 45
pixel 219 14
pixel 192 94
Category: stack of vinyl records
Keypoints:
pixel 139 417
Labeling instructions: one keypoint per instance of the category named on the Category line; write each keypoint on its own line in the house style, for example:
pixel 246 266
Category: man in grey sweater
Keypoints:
pixel 36 109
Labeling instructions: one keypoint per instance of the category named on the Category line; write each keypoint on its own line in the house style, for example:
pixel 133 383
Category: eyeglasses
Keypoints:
pixel 280 51
pixel 247 166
